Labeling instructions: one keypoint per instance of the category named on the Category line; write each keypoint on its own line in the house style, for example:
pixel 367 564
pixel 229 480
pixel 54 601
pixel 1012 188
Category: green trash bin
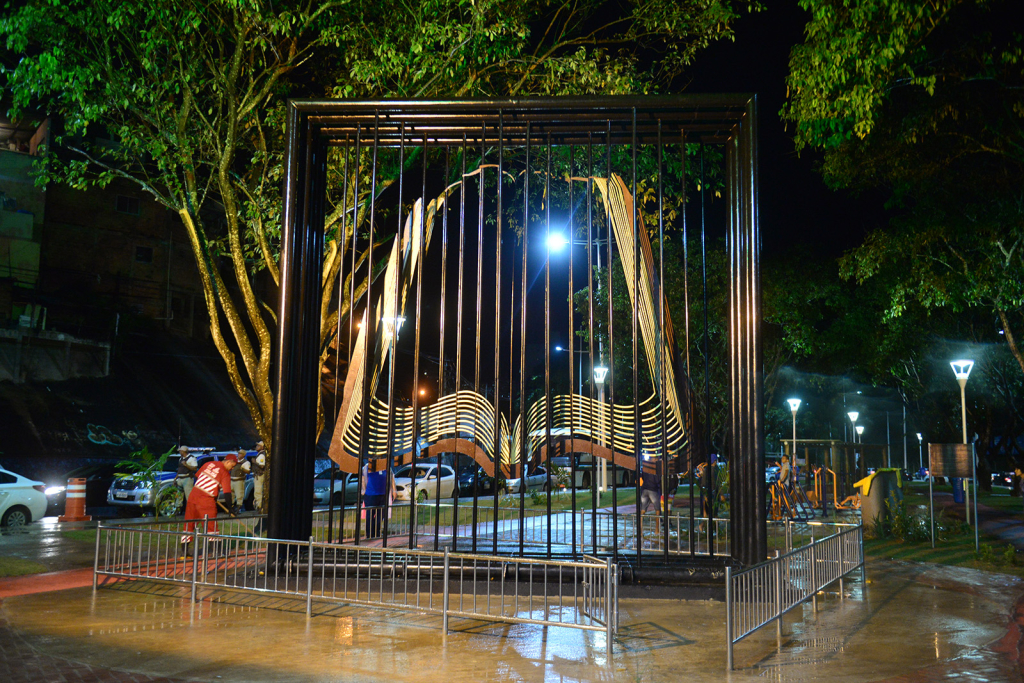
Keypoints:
pixel 875 490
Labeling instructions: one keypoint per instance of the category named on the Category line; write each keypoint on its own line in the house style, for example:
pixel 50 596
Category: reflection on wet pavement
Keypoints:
pixel 909 618
pixel 49 543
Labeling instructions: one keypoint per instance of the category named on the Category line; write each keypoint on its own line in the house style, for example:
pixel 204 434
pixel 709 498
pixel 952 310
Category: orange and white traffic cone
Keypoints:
pixel 74 502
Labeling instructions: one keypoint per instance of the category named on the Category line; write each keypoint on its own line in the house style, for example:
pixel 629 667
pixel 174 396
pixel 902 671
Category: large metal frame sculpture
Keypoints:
pixel 465 421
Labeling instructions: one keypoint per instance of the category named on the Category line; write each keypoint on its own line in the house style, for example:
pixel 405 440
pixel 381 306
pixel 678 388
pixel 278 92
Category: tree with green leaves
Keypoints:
pixel 924 98
pixel 192 94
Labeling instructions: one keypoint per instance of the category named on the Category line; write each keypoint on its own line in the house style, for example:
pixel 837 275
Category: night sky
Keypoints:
pixel 796 207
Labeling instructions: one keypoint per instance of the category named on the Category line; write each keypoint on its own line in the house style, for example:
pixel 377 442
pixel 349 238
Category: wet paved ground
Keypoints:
pixel 911 622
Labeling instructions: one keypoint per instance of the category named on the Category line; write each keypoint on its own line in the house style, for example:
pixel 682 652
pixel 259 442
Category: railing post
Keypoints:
pixel 814 579
pixel 728 617
pixel 195 560
pixel 842 564
pixel 96 559
pixel 778 600
pixel 609 620
pixel 860 554
pixel 444 599
pixel 309 579
pixel 206 541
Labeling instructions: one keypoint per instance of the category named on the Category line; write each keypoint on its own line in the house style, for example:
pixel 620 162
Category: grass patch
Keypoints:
pixel 957 551
pixel 83 535
pixel 15 566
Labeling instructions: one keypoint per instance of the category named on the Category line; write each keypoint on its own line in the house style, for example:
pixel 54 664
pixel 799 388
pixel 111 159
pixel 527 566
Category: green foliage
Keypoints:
pixel 561 477
pixel 184 99
pixel 143 466
pixel 925 99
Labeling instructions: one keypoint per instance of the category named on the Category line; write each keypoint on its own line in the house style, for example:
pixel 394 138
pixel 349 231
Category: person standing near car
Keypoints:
pixel 259 473
pixel 187 466
pixel 238 473
pixel 212 480
pixel 378 491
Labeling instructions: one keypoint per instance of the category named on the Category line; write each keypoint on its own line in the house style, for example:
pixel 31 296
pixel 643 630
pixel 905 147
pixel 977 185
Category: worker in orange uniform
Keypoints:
pixel 212 480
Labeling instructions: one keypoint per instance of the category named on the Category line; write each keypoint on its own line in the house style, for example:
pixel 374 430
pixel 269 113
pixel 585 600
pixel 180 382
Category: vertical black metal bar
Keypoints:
pixel 369 338
pixel 479 320
pixel 417 324
pixel 571 451
pixel 741 530
pixel 590 334
pixel 458 330
pixel 755 418
pixel 524 447
pixel 691 437
pixel 337 334
pixel 611 354
pixel 497 329
pixel 707 372
pixel 389 457
pixel 662 385
pixel 444 306
pixel 547 342
pixel 634 321
pixel 298 344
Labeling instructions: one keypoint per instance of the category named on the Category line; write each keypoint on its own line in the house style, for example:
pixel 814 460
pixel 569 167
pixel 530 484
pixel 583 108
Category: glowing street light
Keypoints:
pixel 556 242
pixel 962 370
pixel 794 405
pixel 600 374
pixel 860 433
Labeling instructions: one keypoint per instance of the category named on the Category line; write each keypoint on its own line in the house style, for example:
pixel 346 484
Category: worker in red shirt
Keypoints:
pixel 212 479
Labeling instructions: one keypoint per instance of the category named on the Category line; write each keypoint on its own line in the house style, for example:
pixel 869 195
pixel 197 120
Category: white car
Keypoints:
pixel 22 500
pixel 538 480
pixel 426 482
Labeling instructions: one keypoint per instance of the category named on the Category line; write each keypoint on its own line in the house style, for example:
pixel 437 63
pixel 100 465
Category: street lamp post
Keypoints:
pixel 794 405
pixel 600 373
pixel 853 415
pixel 962 370
pixel 920 451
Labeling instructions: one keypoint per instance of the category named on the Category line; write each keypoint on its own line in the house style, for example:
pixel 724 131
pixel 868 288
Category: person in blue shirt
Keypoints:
pixel 378 492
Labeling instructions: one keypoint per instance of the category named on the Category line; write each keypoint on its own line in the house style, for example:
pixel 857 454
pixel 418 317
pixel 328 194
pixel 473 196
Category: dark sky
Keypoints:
pixel 796 207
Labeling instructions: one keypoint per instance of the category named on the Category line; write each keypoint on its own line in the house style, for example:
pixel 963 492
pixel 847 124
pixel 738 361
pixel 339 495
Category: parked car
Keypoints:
pixel 346 488
pixel 21 500
pixel 474 481
pixel 536 480
pixel 771 474
pixel 167 499
pixel 1002 479
pixel 98 478
pixel 426 482
pixel 585 470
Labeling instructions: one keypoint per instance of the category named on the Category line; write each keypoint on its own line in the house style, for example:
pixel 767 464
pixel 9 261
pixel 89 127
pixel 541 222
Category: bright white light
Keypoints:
pixel 600 372
pixel 860 429
pixel 559 348
pixel 794 404
pixel 393 323
pixel 556 241
pixel 962 368
pixel 853 415
pixel 423 392
pixel 52 490
pixel 919 437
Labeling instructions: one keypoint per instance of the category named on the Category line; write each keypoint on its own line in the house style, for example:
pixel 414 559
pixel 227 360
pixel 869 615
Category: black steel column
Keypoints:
pixel 746 428
pixel 296 376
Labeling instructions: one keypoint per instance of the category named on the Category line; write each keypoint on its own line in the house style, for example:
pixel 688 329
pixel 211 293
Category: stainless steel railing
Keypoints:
pixel 765 592
pixel 576 594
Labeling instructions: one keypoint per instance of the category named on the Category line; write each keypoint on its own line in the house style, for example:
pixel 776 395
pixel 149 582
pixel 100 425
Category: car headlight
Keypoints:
pixel 320 489
pixel 144 498
pixel 54 490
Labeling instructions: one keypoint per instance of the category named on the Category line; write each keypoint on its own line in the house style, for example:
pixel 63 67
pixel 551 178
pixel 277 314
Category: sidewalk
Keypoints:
pixel 911 623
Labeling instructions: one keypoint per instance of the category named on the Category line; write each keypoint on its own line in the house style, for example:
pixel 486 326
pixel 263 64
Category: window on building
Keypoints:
pixel 143 254
pixel 129 205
